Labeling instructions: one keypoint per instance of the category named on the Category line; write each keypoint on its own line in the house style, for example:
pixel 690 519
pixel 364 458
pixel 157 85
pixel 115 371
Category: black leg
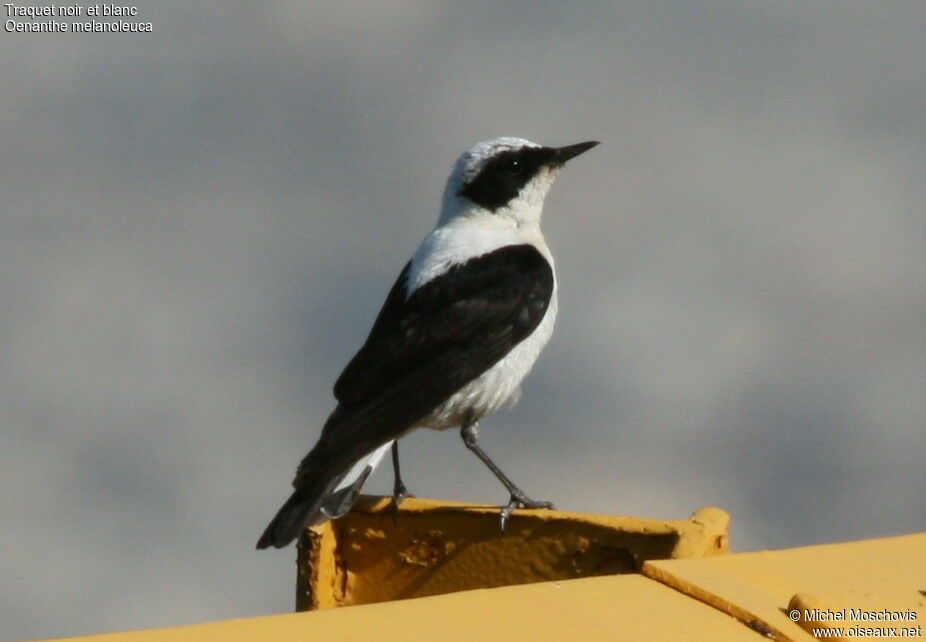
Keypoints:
pixel 470 431
pixel 399 491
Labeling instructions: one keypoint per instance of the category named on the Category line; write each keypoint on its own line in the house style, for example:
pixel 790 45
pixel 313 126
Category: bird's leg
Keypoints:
pixel 399 491
pixel 470 431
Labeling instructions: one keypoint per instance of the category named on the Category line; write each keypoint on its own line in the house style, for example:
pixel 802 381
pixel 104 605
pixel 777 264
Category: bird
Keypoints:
pixel 459 330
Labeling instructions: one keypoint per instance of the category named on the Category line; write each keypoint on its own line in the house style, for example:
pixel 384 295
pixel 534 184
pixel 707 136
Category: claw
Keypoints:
pixel 399 493
pixel 519 500
pixel 503 516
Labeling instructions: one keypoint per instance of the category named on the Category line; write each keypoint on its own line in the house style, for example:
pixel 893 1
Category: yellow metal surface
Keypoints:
pixel 430 548
pixel 875 585
pixel 617 608
pixel 873 579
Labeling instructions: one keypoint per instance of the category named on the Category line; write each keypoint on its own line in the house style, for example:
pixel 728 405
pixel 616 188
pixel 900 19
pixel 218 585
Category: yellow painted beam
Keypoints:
pixel 374 555
pixel 883 576
pixel 618 608
pixel 697 594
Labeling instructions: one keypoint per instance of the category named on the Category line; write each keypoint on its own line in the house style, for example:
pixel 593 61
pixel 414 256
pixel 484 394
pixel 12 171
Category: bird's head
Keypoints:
pixel 506 178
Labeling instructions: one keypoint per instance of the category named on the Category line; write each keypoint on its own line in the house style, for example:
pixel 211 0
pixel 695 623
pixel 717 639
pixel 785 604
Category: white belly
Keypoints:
pixel 498 385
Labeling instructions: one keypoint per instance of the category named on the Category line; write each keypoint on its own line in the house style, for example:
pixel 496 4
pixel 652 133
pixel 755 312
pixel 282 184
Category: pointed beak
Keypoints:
pixel 563 154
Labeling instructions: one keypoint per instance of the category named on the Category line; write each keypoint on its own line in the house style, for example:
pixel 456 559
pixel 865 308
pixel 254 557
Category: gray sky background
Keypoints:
pixel 199 225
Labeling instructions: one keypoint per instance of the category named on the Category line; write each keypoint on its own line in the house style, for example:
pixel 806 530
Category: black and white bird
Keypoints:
pixel 459 331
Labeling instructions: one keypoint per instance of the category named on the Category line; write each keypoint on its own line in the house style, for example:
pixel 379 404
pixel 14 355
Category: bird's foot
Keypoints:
pixel 519 500
pixel 399 493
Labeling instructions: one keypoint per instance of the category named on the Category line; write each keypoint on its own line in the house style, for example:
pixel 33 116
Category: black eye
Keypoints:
pixel 503 177
pixel 512 166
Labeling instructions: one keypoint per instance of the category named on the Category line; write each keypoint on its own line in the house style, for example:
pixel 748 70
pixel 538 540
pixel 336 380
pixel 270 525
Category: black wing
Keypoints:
pixel 424 348
pixel 420 351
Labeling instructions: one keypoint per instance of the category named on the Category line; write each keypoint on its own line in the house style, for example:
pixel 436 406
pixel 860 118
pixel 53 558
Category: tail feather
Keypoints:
pixel 321 495
pixel 302 507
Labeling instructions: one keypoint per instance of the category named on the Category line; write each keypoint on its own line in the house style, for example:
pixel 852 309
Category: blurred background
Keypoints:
pixel 200 224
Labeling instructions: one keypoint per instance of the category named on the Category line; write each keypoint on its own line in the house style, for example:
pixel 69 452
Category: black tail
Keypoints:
pixel 314 500
pixel 318 473
pixel 303 507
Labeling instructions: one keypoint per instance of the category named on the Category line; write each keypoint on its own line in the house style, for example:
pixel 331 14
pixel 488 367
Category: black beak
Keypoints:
pixel 563 154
